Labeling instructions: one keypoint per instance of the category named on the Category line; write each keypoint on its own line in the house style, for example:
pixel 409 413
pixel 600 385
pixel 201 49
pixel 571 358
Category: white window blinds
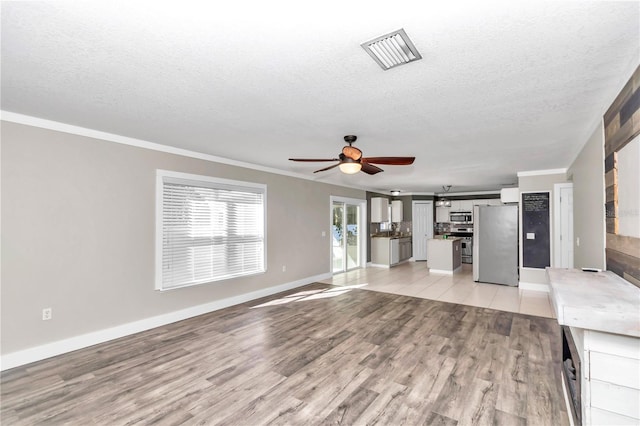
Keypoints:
pixel 211 229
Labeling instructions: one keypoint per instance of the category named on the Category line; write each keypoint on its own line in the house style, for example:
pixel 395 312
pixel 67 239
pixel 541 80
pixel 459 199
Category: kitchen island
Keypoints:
pixel 444 255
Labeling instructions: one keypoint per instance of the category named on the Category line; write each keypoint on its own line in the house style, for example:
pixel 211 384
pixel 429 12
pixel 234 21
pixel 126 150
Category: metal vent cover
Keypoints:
pixel 392 50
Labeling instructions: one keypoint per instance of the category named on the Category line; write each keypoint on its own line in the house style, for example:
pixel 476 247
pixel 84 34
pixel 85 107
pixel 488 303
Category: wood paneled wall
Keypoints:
pixel 622 124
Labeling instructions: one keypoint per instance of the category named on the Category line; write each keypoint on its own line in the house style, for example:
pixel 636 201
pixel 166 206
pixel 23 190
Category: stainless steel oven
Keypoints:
pixel 464 231
pixel 467 249
pixel 460 217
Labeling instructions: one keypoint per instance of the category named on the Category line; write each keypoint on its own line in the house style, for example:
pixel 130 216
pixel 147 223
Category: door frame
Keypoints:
pixel 362 237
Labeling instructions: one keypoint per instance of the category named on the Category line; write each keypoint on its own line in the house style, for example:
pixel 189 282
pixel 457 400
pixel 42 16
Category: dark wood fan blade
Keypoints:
pixel 314 159
pixel 394 161
pixel 370 169
pixel 327 168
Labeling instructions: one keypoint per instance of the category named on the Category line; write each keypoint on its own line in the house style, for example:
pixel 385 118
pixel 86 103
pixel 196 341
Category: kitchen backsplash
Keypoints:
pixel 442 228
pixel 404 227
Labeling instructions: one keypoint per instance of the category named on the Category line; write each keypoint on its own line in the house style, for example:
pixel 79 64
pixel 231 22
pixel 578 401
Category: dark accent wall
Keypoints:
pixel 622 124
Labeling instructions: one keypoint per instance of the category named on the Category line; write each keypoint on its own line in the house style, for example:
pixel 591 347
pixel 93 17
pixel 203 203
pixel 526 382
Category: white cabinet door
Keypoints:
pixel 397 211
pixel 466 205
pixel 379 210
pixel 442 214
pixel 455 205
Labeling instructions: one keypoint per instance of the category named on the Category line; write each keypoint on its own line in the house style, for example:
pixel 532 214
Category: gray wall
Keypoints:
pixel 587 173
pixel 78 234
pixel 538 183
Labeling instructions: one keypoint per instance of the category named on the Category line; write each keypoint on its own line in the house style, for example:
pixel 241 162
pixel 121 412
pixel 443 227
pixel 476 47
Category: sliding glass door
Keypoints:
pixel 346 247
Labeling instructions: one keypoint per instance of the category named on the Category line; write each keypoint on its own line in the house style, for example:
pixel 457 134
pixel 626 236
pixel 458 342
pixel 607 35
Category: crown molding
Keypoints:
pixel 455 194
pixel 542 172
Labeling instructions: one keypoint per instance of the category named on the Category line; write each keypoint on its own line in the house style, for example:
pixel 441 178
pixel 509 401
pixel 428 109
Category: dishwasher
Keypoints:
pixel 394 246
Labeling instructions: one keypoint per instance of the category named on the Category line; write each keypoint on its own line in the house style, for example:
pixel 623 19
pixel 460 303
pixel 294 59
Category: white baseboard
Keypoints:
pixel 534 286
pixel 37 353
pixel 444 271
pixel 378 265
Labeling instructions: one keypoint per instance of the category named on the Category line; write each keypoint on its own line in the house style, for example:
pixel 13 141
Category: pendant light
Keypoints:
pixel 443 202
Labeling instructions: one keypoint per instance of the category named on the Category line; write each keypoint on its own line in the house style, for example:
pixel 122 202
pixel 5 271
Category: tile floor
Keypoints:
pixel 414 279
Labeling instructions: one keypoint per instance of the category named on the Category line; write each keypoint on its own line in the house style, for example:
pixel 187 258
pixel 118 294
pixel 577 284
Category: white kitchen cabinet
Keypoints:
pixel 379 210
pixel 487 202
pixel 442 214
pixel 386 251
pixel 610 377
pixel 461 205
pixel 397 211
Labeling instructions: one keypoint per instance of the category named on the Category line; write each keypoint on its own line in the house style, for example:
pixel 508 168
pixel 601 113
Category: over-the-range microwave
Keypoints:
pixel 460 217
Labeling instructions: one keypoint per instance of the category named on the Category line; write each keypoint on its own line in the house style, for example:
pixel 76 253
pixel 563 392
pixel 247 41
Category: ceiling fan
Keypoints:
pixel 351 160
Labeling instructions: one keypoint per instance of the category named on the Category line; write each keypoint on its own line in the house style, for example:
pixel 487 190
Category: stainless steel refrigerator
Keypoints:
pixel 495 244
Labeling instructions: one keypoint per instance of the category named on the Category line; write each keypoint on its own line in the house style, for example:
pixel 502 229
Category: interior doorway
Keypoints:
pixel 422 213
pixel 563 229
pixel 348 242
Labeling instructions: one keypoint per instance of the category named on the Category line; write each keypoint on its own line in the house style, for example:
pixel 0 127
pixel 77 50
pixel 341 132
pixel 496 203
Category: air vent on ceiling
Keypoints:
pixel 391 50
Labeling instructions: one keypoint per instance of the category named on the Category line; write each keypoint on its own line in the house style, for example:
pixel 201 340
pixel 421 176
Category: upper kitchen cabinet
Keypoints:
pixel 379 210
pixel 461 205
pixel 488 202
pixel 397 211
pixel 442 214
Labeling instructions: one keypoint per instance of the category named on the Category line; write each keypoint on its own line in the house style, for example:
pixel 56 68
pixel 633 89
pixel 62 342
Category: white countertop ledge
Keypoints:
pixel 600 301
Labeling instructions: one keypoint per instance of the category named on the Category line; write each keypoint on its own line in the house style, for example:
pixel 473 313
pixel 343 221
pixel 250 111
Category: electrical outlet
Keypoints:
pixel 578 241
pixel 324 233
pixel 284 268
pixel 47 314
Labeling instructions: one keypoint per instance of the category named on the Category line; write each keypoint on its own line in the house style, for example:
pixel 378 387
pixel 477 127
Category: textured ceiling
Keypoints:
pixel 502 87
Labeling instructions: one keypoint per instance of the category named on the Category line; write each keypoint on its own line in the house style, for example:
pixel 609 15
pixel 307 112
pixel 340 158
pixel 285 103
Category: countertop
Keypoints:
pixel 600 301
pixel 391 237
pixel 452 239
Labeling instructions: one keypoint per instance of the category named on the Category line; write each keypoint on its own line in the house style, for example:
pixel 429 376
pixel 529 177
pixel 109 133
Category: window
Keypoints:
pixel 207 229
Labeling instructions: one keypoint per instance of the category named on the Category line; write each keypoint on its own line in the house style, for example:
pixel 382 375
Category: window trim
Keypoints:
pixel 163 176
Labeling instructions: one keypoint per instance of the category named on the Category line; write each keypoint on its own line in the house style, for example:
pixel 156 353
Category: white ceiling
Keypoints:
pixel 502 87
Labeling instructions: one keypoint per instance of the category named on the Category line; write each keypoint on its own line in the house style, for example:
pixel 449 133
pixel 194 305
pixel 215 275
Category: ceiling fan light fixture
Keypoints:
pixel 392 50
pixel 350 168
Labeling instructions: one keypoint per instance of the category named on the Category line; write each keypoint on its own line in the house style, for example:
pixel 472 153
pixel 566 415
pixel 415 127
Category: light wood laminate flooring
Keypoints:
pixel 320 354
pixel 414 279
